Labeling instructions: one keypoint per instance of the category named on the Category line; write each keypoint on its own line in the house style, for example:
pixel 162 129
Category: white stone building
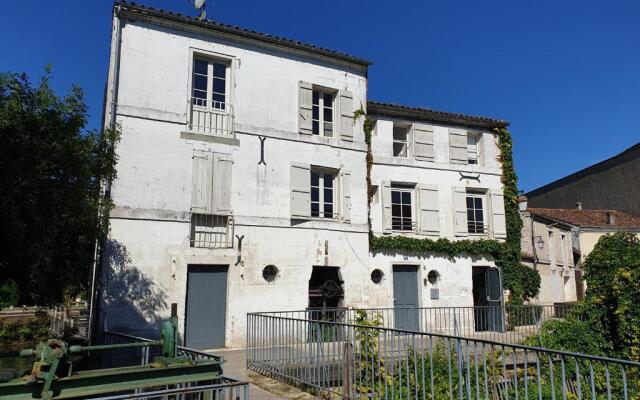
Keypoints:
pixel 241 183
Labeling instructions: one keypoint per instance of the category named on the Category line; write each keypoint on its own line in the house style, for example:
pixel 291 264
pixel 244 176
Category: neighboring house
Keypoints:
pixel 611 184
pixel 547 244
pixel 241 183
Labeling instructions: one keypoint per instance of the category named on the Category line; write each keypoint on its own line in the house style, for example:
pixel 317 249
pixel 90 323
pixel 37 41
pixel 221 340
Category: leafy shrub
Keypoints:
pixel 20 330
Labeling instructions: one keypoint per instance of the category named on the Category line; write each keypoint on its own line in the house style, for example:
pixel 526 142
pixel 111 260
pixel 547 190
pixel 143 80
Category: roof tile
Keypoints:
pixel 588 218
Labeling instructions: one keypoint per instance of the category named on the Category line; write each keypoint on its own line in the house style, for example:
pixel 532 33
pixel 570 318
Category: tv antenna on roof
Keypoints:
pixel 202 6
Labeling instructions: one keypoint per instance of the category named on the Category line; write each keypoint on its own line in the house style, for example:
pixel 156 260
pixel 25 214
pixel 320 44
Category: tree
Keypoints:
pixel 52 209
pixel 612 272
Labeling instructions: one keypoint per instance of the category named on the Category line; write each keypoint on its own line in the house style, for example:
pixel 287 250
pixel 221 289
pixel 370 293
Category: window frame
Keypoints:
pixel 477 136
pixel 322 172
pixel 212 57
pixel 403 188
pixel 482 195
pixel 322 92
pixel 407 129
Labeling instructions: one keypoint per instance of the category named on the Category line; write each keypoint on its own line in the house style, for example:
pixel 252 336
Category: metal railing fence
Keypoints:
pixel 506 324
pixel 226 389
pixel 211 231
pixel 334 359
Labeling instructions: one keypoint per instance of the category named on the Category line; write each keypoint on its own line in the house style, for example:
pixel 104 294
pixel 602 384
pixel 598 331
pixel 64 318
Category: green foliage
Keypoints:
pixel 20 330
pixel 9 295
pixel 52 207
pixel 522 282
pixel 572 334
pixel 612 272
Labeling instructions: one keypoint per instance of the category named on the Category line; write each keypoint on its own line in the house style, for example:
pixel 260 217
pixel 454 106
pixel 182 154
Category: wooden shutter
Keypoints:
pixel 346 115
pixel 202 172
pixel 300 191
pixel 460 211
pixel 423 139
pixel 346 196
pixel 458 146
pixel 498 215
pixel 221 199
pixel 429 210
pixel 305 98
pixel 386 207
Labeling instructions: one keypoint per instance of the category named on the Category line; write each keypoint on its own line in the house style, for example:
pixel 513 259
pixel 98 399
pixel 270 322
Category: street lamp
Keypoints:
pixel 540 242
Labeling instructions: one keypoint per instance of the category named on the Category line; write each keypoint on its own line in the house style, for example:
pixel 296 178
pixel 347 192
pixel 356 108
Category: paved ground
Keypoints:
pixel 262 388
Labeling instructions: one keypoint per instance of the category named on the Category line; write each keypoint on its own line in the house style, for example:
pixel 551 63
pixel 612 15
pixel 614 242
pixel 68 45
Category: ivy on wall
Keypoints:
pixel 522 282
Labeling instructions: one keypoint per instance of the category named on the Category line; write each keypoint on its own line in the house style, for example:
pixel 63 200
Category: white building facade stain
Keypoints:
pixel 241 183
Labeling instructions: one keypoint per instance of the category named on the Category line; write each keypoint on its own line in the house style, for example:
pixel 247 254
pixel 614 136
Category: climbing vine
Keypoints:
pixel 522 282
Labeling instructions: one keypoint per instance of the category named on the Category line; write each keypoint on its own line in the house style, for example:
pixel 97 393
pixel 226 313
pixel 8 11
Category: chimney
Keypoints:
pixel 579 205
pixel 611 218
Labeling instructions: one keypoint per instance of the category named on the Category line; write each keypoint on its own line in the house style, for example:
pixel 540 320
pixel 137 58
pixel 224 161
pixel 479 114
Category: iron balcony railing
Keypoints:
pixel 342 360
pixel 211 118
pixel 211 231
pixel 504 324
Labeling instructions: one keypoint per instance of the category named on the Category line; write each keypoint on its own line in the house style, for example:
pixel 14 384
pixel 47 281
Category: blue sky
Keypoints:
pixel 566 74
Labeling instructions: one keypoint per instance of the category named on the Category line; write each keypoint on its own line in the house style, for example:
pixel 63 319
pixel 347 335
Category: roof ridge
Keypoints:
pixel 235 29
pixel 480 118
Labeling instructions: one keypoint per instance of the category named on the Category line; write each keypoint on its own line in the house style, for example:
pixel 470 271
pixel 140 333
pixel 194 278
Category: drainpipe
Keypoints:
pixel 114 73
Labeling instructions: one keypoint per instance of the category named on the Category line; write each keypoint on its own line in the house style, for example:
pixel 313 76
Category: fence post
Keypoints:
pixel 346 371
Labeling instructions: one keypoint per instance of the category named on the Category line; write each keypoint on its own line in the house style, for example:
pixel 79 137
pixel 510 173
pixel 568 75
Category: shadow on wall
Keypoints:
pixel 131 302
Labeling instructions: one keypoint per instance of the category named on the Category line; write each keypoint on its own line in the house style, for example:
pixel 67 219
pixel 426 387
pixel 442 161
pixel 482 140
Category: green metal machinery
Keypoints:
pixel 53 376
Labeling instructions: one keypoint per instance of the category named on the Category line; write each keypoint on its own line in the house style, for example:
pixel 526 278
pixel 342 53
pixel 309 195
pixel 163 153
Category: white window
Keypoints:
pixel 563 243
pixel 473 146
pixel 476 213
pixel 400 141
pixel 211 222
pixel 210 100
pixel 323 194
pixel 402 211
pixel 209 88
pixel 322 112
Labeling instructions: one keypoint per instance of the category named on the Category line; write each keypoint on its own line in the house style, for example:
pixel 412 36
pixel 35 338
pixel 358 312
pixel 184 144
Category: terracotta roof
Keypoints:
pixel 238 31
pixel 588 218
pixel 430 115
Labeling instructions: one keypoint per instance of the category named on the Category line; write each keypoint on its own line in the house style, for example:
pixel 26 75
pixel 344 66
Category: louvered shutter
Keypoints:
pixel 386 207
pixel 423 138
pixel 300 191
pixel 305 98
pixel 346 196
pixel 460 211
pixel 202 172
pixel 458 146
pixel 221 199
pixel 498 215
pixel 429 208
pixel 346 115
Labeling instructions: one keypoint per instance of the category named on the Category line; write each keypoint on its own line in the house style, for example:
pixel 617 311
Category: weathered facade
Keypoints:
pixel 557 242
pixel 547 246
pixel 613 184
pixel 242 183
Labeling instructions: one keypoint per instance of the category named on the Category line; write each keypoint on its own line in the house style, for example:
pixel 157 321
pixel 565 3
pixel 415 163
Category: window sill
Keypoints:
pixel 203 137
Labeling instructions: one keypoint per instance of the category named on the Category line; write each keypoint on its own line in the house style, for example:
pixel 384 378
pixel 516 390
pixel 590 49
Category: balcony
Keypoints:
pixel 211 231
pixel 213 118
